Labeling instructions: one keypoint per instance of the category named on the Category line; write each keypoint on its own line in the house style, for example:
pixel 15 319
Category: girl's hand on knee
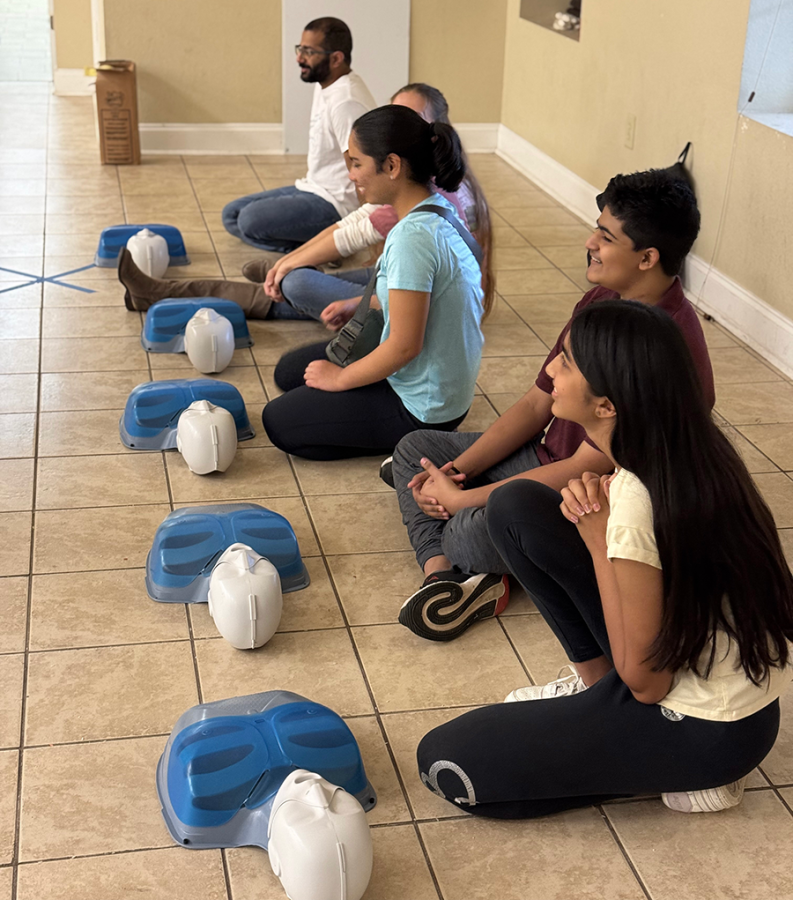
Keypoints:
pixel 324 376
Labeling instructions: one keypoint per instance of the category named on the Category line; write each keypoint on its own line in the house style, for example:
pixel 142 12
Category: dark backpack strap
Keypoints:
pixel 345 339
pixel 464 233
pixel 363 307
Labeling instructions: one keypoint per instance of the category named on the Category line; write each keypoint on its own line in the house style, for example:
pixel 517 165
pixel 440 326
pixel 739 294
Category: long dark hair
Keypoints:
pixel 431 150
pixel 716 536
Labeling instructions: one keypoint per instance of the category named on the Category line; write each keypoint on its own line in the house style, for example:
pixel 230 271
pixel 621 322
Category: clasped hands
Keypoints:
pixel 436 492
pixel 585 503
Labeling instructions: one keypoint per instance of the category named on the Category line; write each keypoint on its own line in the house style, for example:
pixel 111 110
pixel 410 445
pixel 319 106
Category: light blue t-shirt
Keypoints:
pixel 424 252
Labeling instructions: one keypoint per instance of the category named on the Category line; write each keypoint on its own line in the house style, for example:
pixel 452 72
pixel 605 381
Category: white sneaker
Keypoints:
pixel 711 800
pixel 564 686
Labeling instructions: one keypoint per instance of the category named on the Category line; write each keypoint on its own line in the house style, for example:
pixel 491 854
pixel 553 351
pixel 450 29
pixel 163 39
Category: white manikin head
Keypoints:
pixel 206 436
pixel 149 252
pixel 319 842
pixel 245 597
pixel 209 341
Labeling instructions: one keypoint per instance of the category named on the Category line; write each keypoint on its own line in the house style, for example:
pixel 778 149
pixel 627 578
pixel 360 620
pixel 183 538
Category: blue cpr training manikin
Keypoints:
pixel 224 762
pixel 115 237
pixel 152 410
pixel 164 328
pixel 189 541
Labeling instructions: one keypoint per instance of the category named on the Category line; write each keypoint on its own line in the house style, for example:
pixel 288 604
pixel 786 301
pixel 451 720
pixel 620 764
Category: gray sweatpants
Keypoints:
pixel 463 538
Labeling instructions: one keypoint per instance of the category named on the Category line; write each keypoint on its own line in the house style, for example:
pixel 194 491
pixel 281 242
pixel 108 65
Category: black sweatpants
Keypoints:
pixel 533 758
pixel 314 424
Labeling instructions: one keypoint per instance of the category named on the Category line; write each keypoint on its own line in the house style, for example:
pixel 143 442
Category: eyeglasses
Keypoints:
pixel 308 52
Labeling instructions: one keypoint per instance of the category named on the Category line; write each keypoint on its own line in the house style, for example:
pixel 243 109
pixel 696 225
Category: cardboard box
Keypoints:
pixel 117 112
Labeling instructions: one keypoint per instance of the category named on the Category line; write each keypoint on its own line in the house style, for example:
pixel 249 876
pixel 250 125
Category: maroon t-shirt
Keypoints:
pixel 563 438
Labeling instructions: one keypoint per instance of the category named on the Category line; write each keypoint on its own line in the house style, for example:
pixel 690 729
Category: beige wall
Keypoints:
pixel 458 46
pixel 205 61
pixel 73 48
pixel 200 61
pixel 676 66
pixel 756 249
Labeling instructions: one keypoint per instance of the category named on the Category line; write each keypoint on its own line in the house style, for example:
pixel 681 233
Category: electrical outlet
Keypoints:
pixel 630 131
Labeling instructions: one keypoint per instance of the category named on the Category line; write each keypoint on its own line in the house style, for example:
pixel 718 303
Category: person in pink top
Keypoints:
pixel 647 224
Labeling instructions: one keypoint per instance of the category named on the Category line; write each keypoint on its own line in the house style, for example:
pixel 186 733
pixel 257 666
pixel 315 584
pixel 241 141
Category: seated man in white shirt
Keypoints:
pixel 284 218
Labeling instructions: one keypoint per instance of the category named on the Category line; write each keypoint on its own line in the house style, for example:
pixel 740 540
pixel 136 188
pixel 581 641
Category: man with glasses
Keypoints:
pixel 284 218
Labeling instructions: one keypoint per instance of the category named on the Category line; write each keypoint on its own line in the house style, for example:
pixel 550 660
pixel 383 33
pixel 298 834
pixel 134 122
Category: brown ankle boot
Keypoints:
pixel 142 291
pixel 256 270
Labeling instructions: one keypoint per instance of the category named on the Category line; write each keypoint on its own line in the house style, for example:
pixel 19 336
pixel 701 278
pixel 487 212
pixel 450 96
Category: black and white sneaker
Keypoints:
pixel 386 472
pixel 449 602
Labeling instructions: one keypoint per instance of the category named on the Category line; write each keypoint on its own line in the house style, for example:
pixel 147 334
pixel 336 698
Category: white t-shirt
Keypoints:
pixel 369 224
pixel 333 111
pixel 726 695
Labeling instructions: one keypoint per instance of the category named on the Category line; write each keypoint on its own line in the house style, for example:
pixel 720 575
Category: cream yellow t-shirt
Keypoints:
pixel 727 694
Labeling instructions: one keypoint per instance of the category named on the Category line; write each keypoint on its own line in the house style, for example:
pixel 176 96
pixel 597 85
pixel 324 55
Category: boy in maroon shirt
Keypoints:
pixel 647 225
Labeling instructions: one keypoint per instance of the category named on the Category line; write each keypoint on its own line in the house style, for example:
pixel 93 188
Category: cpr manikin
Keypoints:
pixel 319 842
pixel 206 436
pixel 149 252
pixel 245 597
pixel 209 341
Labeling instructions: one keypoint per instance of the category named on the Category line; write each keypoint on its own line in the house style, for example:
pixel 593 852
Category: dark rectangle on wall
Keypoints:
pixel 543 13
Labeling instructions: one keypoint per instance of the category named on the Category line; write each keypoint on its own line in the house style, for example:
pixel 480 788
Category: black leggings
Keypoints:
pixel 532 758
pixel 364 421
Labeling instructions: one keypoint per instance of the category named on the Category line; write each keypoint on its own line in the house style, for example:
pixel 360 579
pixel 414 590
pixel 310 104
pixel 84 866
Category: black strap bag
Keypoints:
pixel 362 333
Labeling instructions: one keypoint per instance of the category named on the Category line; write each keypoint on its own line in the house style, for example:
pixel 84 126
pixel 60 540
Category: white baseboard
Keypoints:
pixel 479 137
pixel 232 138
pixel 554 178
pixel 222 139
pixel 72 83
pixel 746 315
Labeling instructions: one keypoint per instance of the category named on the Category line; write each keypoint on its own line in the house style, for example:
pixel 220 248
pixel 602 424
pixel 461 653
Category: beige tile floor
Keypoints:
pixel 94 674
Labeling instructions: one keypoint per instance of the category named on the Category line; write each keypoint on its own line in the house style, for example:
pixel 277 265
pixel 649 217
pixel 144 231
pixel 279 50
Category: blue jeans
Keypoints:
pixel 279 220
pixel 307 292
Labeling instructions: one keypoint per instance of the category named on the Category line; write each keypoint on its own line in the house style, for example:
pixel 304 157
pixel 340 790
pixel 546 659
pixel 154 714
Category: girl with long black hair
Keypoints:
pixel 423 373
pixel 665 583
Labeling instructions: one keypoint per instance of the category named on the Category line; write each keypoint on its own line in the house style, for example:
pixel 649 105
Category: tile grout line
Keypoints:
pixel 204 220
pixel 188 617
pixel 114 739
pixel 623 851
pixel 515 649
pixel 28 615
pixel 372 700
pixel 380 826
pixel 527 324
pixel 788 806
pixel 123 198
